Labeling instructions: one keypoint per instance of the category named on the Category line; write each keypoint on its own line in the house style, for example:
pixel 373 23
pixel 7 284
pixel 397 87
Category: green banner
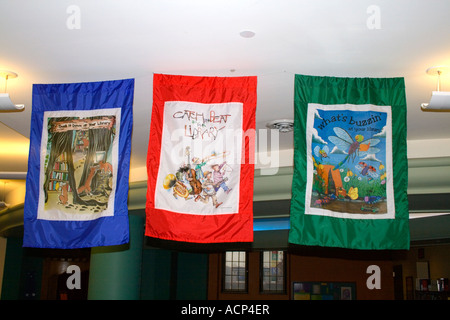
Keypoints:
pixel 350 178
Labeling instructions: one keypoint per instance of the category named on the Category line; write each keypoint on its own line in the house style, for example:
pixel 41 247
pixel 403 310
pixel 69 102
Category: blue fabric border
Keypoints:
pixel 79 234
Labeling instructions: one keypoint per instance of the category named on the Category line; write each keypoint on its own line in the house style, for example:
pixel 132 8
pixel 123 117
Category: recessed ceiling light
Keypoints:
pixel 247 34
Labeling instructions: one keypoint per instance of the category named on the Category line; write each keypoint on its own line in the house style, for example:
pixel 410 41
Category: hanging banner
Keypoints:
pixel 78 167
pixel 200 159
pixel 350 165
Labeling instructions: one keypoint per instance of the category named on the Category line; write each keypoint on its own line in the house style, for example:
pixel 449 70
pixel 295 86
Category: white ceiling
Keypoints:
pixel 119 39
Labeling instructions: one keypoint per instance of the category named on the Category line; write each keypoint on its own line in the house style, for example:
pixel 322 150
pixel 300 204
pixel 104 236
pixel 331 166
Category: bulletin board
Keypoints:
pixel 323 291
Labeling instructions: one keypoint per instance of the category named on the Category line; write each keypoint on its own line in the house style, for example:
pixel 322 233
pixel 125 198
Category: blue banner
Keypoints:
pixel 78 165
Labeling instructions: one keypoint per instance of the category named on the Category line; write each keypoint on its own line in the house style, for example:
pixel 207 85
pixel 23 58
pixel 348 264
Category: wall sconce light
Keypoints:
pixel 440 100
pixel 5 101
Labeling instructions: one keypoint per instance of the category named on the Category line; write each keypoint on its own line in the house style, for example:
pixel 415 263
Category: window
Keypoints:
pixel 235 271
pixel 273 272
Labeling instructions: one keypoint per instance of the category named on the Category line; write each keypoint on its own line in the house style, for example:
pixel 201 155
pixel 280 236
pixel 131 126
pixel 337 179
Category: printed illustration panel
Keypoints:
pixel 78 164
pixel 200 160
pixel 349 161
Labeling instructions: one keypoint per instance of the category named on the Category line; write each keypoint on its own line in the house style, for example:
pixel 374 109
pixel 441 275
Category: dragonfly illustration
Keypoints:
pixel 354 147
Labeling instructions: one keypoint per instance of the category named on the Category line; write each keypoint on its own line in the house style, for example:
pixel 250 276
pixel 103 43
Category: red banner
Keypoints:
pixel 200 160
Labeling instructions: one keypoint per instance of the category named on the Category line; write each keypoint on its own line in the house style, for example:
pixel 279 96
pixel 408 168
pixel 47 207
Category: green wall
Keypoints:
pixel 12 269
pixel 153 273
pixel 172 275
pixel 192 277
pixel 22 272
pixel 115 271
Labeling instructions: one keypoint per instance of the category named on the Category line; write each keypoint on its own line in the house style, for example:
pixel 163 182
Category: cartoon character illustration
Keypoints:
pixel 209 190
pixel 179 188
pixel 192 176
pixel 63 197
pixel 321 152
pixel 354 148
pixel 103 168
pixel 341 193
pixel 169 181
pixel 365 169
pixel 347 147
pixel 327 199
pixel 190 182
pixel 198 164
pixel 218 178
pixel 372 199
pixel 352 193
pixel 370 209
pixel 330 179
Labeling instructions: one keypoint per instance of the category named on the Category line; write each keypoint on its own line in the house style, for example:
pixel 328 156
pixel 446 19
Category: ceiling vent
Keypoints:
pixel 282 125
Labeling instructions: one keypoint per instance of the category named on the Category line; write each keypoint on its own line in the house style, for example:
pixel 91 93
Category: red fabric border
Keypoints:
pixel 169 225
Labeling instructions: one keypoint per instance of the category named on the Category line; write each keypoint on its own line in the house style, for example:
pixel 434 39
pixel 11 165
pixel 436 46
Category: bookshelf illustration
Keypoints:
pixel 60 174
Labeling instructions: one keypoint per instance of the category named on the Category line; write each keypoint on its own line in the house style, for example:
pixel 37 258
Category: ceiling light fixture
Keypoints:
pixel 282 125
pixel 5 101
pixel 440 100
pixel 247 34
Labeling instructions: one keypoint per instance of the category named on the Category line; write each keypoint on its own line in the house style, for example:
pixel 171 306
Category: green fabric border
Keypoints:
pixel 350 233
